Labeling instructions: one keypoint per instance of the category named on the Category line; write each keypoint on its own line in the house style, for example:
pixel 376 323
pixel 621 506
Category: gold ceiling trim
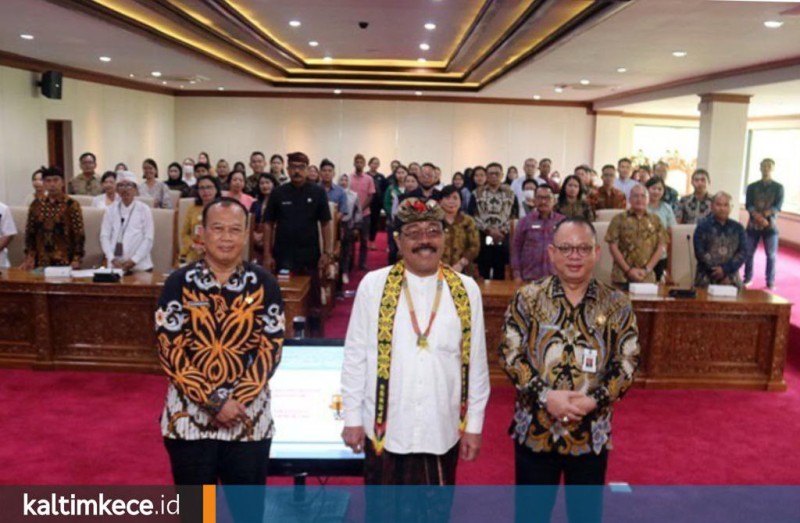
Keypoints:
pixel 377 63
pixel 513 38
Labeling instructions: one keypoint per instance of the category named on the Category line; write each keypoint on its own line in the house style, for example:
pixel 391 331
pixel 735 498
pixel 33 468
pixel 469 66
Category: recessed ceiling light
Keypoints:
pixel 220 88
pixel 537 97
pixel 105 58
pixel 131 75
pixel 26 36
pixel 337 91
pixel 430 26
pixel 181 87
pixel 424 47
pixel 559 89
pixel 585 82
pixel 295 23
pixel 156 73
pixel 773 24
pixel 192 82
pixel 679 54
pixel 164 82
pixel 622 70
pixel 313 43
pixel 421 60
pixel 328 58
pixel 418 93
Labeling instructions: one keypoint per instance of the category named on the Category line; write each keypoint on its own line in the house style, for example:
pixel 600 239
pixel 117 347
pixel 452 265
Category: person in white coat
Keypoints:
pixel 126 235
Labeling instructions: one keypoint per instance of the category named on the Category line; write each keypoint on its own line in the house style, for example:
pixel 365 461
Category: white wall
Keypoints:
pixel 451 135
pixel 118 125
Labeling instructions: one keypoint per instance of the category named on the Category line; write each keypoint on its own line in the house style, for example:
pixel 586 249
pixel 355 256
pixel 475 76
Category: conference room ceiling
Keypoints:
pixel 518 49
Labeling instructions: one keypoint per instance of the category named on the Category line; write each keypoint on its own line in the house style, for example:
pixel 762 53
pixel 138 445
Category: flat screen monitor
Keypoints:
pixel 307 409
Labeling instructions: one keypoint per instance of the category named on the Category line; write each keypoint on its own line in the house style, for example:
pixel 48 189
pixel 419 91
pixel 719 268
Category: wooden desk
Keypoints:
pixel 708 342
pixel 78 324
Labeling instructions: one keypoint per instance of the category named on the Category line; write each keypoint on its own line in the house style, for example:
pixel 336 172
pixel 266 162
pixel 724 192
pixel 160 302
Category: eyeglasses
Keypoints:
pixel 583 249
pixel 416 235
pixel 205 188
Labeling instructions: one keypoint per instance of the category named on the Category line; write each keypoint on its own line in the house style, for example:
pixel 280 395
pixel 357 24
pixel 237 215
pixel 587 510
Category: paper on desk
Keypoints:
pixel 643 288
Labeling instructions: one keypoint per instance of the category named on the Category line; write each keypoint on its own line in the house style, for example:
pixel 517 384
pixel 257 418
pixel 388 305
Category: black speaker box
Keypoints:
pixel 51 84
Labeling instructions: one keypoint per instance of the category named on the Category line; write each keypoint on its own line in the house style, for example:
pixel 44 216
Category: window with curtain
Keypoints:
pixel 783 146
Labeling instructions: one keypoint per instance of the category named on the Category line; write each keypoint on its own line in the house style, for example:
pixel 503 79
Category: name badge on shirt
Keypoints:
pixel 536 226
pixel 589 361
pixel 197 304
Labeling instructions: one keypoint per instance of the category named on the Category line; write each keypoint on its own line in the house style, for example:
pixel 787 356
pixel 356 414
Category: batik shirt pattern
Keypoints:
pixel 637 238
pixel 494 208
pixel 54 232
pixel 217 342
pixel 692 210
pixel 719 245
pixel 545 339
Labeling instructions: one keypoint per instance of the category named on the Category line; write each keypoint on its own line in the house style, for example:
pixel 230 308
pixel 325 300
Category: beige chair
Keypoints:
pixel 683 263
pixel 84 200
pixel 92 223
pixel 147 200
pixel 602 270
pixel 164 253
pixel 176 198
pixel 184 204
pixel 16 249
pixel 606 215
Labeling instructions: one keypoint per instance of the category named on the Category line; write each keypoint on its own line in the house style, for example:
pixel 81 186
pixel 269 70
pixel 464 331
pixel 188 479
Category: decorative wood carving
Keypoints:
pixel 703 343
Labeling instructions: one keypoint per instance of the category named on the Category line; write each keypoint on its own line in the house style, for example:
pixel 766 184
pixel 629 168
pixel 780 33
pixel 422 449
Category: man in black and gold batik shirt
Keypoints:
pixel 720 246
pixel 54 231
pixel 219 330
pixel 570 346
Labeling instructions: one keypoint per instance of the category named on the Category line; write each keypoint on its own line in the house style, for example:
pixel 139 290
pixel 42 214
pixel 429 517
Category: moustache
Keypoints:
pixel 418 248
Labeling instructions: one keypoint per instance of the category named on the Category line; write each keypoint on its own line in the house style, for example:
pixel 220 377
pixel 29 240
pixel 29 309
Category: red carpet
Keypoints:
pixel 100 428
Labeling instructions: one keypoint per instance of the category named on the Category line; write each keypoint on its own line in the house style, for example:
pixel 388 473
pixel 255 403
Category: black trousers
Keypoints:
pixel 492 260
pixel 584 475
pixel 363 241
pixel 206 462
pixel 375 215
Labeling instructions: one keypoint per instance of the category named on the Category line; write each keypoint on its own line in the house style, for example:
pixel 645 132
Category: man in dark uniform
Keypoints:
pixel 296 210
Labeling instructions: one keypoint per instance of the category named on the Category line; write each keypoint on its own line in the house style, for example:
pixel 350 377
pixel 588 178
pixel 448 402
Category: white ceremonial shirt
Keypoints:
pixel 133 226
pixel 424 384
pixel 7 228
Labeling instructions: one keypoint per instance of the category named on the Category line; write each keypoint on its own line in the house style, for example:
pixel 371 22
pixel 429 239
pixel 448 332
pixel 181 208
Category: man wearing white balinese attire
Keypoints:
pixel 415 380
pixel 127 233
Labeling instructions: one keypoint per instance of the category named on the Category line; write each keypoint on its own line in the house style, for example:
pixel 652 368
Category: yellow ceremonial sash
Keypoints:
pixel 386 316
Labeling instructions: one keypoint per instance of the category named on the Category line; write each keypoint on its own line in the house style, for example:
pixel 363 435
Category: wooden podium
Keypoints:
pixel 78 324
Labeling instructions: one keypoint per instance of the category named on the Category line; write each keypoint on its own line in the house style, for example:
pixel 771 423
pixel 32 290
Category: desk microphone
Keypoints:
pixel 689 293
